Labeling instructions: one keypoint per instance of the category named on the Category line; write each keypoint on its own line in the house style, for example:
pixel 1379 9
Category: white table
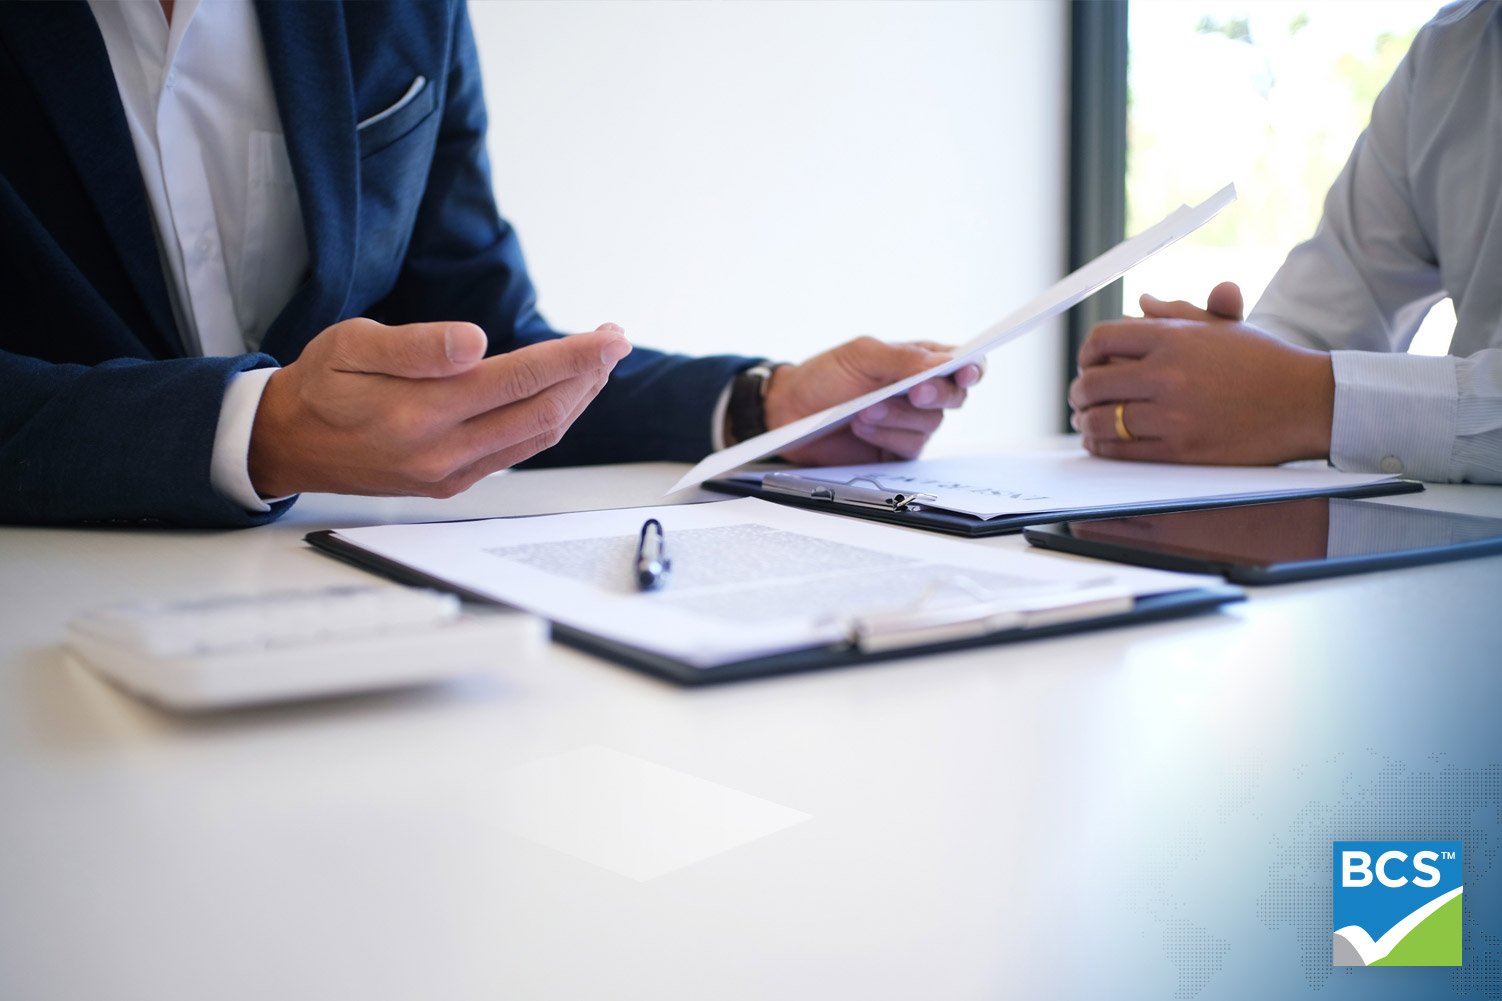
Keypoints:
pixel 1131 813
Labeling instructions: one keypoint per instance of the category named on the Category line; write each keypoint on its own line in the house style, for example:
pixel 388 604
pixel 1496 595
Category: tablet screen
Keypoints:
pixel 1299 531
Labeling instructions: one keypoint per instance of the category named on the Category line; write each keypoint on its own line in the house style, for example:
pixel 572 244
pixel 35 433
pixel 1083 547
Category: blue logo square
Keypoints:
pixel 1397 903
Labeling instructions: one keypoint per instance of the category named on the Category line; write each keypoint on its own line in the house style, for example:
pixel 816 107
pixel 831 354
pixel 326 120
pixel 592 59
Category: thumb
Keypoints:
pixel 1225 301
pixel 411 351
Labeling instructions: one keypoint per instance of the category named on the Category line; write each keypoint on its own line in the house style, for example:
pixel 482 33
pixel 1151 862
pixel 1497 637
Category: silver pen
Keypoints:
pixel 652 563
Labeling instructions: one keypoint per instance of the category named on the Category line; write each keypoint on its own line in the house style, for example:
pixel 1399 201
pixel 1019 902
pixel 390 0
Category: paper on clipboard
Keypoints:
pixel 1065 293
pixel 753 579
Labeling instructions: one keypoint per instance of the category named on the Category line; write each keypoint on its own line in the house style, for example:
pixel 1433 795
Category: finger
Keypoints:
pixel 936 394
pixel 1147 450
pixel 528 371
pixel 898 413
pixel 546 416
pixel 466 477
pixel 513 453
pixel 411 351
pixel 1142 420
pixel 965 376
pixel 1121 339
pixel 615 346
pixel 1154 308
pixel 1124 380
pixel 1225 301
pixel 486 445
pixel 585 399
pixel 968 375
pixel 517 430
pixel 900 442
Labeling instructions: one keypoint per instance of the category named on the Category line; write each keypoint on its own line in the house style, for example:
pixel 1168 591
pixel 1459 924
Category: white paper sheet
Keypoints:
pixel 1068 291
pixel 994 486
pixel 749 577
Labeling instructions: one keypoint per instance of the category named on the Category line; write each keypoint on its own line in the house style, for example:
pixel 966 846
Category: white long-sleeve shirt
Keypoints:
pixel 1415 214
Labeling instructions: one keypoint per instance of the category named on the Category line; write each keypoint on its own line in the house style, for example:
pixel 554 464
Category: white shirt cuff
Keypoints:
pixel 1394 413
pixel 229 471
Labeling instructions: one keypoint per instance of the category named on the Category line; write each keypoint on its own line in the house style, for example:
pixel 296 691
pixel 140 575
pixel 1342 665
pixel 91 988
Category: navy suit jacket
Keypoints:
pixel 103 417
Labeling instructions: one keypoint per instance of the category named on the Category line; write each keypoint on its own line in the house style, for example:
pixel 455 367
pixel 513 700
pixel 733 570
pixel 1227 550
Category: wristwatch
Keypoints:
pixel 748 401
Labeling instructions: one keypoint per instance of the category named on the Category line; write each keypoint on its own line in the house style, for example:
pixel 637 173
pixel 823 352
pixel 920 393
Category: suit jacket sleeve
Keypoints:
pixel 465 262
pixel 98 422
pixel 124 441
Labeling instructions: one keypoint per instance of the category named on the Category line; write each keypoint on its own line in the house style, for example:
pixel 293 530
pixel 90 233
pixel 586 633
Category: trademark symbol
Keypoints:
pixel 1450 856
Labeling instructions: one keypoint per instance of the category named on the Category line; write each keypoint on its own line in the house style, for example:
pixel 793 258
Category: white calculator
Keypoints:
pixel 241 649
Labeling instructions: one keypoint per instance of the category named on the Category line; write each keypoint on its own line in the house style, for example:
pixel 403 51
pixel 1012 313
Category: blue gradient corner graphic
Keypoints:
pixel 1397 903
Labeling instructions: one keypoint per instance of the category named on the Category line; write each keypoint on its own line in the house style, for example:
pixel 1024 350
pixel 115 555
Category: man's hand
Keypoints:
pixel 418 409
pixel 1200 385
pixel 896 428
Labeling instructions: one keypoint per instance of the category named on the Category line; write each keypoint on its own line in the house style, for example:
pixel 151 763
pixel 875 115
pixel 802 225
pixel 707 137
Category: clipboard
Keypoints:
pixel 946 631
pixel 1149 608
pixel 866 497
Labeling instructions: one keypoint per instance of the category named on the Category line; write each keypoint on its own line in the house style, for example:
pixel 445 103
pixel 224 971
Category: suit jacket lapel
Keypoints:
pixel 59 46
pixel 308 55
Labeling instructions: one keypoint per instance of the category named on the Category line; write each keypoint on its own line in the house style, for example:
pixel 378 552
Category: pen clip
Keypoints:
pixel 849 491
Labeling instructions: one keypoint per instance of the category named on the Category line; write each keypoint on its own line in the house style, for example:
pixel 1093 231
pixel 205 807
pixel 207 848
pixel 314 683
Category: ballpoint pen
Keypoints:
pixel 652 563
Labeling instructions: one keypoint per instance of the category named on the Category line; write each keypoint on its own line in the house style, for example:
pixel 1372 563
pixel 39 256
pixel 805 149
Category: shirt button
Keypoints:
pixel 1390 464
pixel 205 246
pixel 171 80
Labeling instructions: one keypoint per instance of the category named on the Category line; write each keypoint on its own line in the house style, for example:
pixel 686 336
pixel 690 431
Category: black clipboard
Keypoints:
pixel 911 511
pixel 1147 608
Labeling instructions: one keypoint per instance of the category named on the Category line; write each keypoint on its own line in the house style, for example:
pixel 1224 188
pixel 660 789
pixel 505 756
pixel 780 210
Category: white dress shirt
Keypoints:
pixel 1415 214
pixel 208 138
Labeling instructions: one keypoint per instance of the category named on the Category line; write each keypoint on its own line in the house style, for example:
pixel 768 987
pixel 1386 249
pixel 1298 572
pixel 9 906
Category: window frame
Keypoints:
pixel 1097 160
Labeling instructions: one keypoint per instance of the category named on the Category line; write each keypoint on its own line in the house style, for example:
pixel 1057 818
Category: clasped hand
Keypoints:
pixel 1187 384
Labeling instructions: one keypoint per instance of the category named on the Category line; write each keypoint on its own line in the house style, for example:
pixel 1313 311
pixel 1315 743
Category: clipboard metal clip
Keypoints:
pixel 858 491
pixel 928 624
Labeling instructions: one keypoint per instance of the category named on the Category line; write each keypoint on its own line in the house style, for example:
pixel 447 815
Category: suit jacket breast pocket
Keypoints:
pixel 392 123
pixel 396 154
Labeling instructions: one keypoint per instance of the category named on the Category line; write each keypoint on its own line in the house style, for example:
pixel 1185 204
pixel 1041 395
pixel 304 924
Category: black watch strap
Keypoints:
pixel 748 406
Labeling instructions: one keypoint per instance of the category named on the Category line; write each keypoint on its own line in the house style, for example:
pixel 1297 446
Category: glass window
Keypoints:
pixel 1269 94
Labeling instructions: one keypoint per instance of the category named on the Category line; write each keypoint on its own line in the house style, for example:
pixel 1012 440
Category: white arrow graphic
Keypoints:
pixel 1352 945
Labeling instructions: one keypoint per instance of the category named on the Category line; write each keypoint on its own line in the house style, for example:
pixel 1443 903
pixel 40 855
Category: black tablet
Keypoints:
pixel 1279 541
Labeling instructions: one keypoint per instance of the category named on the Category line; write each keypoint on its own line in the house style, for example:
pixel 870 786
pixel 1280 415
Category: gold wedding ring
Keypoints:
pixel 1121 428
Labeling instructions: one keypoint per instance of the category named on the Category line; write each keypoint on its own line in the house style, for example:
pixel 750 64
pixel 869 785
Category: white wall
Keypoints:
pixel 774 178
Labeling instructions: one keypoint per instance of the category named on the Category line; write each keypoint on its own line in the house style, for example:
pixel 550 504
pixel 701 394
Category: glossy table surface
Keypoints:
pixel 1144 812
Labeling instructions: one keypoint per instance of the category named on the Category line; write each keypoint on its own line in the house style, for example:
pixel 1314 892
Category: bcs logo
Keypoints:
pixel 1397 903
